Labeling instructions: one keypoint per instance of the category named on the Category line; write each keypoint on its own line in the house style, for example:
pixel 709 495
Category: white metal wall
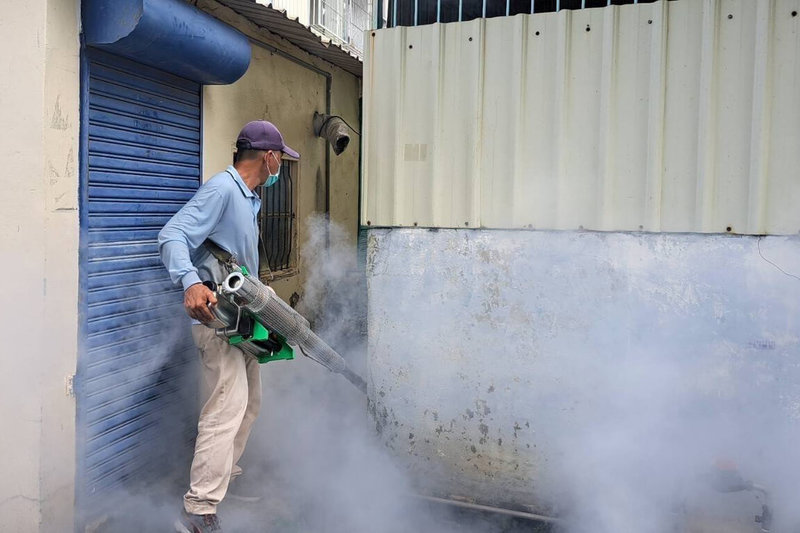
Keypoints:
pixel 678 116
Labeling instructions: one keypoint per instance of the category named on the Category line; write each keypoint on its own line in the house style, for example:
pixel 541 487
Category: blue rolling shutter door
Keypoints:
pixel 135 391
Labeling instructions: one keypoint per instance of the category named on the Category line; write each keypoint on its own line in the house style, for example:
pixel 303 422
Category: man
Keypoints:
pixel 224 211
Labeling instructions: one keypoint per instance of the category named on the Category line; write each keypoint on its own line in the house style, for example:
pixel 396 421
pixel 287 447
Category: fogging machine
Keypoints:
pixel 252 317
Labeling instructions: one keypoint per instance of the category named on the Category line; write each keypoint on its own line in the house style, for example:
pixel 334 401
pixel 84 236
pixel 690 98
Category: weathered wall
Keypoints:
pixel 510 366
pixel 39 244
pixel 287 94
pixel 60 151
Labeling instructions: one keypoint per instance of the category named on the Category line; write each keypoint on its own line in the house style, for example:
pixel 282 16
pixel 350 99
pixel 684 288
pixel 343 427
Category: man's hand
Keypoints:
pixel 196 300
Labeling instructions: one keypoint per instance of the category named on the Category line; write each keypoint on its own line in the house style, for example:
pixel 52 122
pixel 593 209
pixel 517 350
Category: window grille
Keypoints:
pixel 329 17
pixel 344 21
pixel 419 12
pixel 276 220
pixel 358 20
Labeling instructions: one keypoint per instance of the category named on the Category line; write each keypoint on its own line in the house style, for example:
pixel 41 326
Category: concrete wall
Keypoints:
pixel 287 94
pixel 517 367
pixel 39 245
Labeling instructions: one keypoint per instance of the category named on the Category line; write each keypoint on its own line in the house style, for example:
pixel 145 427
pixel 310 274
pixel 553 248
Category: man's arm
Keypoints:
pixel 185 232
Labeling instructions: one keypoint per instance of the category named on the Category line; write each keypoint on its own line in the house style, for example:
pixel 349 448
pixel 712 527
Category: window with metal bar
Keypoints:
pixel 419 12
pixel 344 21
pixel 277 220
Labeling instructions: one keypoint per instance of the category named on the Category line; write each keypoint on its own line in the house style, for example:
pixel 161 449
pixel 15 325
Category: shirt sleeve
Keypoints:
pixel 186 231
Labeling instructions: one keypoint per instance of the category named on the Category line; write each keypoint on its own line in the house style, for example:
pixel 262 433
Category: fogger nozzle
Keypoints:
pixel 268 308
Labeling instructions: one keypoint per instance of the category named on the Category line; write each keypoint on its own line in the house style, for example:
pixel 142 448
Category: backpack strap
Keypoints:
pixel 222 255
pixel 229 260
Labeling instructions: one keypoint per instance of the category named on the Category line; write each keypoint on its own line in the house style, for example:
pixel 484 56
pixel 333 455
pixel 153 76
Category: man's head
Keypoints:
pixel 259 149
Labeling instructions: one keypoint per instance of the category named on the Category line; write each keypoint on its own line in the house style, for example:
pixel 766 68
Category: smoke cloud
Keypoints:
pixel 137 405
pixel 619 382
pixel 613 380
pixel 315 452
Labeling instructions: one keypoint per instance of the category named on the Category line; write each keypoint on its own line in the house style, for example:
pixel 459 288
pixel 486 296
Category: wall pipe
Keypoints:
pixel 489 509
pixel 328 79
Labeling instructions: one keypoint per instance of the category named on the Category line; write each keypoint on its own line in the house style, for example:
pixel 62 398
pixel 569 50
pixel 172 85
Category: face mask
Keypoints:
pixel 273 178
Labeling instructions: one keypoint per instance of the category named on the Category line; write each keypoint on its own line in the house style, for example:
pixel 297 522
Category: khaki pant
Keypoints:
pixel 232 395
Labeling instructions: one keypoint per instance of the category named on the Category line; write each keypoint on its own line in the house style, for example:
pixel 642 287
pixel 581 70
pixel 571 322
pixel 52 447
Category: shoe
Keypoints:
pixel 197 523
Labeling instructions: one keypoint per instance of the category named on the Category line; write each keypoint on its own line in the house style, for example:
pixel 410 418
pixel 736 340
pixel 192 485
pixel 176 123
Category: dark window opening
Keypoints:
pixel 471 10
pixel 276 220
pixel 544 6
pixel 427 11
pixel 449 11
pixel 495 9
pixel 570 4
pixel 515 7
pixel 404 13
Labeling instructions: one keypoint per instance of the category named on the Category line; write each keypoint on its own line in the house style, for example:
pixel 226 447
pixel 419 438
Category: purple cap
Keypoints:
pixel 263 135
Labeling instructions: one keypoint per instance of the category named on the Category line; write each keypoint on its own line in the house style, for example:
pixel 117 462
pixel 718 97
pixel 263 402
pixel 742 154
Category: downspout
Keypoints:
pixel 327 167
pixel 360 161
pixel 328 80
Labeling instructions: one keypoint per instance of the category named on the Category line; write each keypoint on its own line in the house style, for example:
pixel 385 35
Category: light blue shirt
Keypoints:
pixel 224 210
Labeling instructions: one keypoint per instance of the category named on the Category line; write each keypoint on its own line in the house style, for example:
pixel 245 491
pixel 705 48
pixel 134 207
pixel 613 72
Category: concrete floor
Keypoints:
pixel 155 508
pixel 273 517
pixel 285 510
pixel 431 518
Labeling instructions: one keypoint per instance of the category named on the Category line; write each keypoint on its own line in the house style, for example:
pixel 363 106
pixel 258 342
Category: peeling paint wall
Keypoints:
pixel 489 350
pixel 39 245
pixel 281 91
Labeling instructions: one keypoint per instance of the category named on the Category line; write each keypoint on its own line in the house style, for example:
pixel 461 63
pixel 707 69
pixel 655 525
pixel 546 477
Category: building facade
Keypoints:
pixel 113 121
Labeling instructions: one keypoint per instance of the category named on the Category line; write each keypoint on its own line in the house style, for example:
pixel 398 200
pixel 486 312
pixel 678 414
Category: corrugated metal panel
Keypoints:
pixel 293 31
pixel 679 116
pixel 143 158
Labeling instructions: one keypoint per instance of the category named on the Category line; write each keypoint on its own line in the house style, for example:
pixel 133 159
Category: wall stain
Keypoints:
pixel 58 120
pixel 69 170
pixel 54 175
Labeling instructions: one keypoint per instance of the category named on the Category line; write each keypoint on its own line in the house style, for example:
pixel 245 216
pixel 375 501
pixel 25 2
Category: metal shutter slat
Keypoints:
pixel 143 163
